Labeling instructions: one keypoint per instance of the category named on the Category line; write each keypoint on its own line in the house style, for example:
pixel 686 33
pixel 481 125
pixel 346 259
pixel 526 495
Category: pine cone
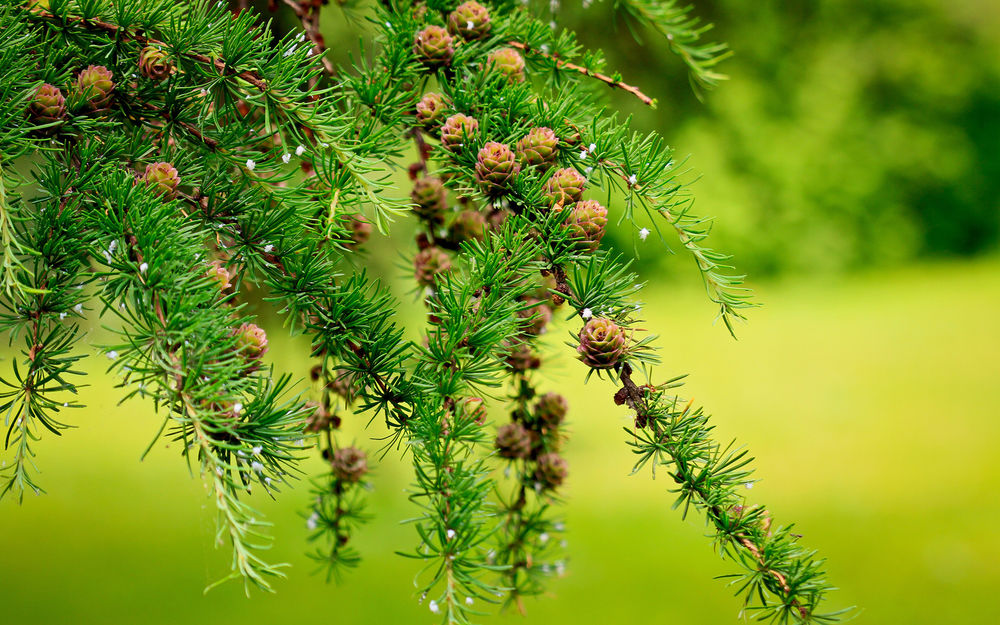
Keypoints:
pixel 48 105
pixel 361 230
pixel 349 464
pixel 550 410
pixel 496 166
pixel 457 129
pixel 513 441
pixel 429 263
pixel 508 62
pixel 430 110
pixel 219 274
pixel 433 46
pixel 163 178
pixel 251 341
pixel 468 225
pixel 153 63
pixel 431 201
pixel 538 147
pixel 551 471
pixel 587 221
pixel 564 187
pixel 602 343
pixel 94 86
pixel 470 21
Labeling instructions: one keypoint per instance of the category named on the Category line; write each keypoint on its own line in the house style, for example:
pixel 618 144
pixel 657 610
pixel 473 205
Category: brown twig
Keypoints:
pixel 608 80
pixel 308 13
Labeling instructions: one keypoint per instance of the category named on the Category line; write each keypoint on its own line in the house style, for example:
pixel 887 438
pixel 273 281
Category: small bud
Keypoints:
pixel 349 464
pixel 470 21
pixel 496 167
pixel 508 62
pixel 513 441
pixel 429 263
pixel 565 186
pixel 153 63
pixel 468 225
pixel 251 341
pixel 94 86
pixel 550 410
pixel 430 199
pixel 48 105
pixel 430 110
pixel 432 46
pixel 538 147
pixel 551 471
pixel 163 178
pixel 603 343
pixel 218 273
pixel 457 129
pixel 587 220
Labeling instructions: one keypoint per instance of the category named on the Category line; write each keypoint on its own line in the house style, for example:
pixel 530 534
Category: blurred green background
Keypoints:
pixel 853 162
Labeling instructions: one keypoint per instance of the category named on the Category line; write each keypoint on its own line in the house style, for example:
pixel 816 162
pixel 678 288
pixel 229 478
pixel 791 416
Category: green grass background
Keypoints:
pixel 869 401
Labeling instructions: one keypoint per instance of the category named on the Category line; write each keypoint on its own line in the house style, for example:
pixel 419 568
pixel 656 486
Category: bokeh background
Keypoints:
pixel 853 165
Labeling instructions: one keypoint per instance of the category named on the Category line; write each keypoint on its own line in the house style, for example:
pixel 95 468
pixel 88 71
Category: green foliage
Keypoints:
pixel 866 146
pixel 171 192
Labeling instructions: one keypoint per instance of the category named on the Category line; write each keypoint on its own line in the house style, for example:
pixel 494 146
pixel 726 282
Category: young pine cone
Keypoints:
pixel 457 129
pixel 550 410
pixel 468 225
pixel 432 46
pixel 430 199
pixel 320 419
pixel 470 21
pixel 538 147
pixel 474 409
pixel 94 86
pixel 218 273
pixel 48 105
pixel 602 343
pixel 251 342
pixel 430 110
pixel 521 358
pixel 429 263
pixel 153 63
pixel 163 178
pixel 349 464
pixel 565 186
pixel 360 229
pixel 551 471
pixel 539 313
pixel 496 167
pixel 508 62
pixel 587 220
pixel 513 441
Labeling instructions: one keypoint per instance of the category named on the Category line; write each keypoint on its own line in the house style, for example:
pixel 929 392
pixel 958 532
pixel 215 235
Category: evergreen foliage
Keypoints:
pixel 160 159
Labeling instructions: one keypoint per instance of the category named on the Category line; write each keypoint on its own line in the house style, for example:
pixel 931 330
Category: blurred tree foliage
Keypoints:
pixel 851 132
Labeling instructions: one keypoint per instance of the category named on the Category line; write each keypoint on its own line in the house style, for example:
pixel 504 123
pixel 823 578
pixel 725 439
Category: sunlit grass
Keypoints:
pixel 870 404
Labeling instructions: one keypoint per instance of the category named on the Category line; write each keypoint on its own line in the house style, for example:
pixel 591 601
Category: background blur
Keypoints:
pixel 853 163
